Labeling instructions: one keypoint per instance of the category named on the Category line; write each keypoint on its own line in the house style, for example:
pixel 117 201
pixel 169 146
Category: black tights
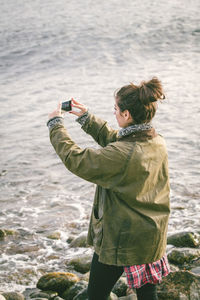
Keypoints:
pixel 103 278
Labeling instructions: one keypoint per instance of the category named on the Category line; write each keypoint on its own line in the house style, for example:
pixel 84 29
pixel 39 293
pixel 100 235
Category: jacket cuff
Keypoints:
pixel 83 118
pixel 54 121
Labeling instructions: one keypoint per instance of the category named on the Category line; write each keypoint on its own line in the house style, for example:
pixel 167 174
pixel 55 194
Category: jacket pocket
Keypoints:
pixel 97 230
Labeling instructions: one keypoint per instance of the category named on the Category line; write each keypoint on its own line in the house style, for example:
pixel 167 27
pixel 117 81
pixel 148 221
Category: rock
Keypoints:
pixel 57 298
pixel 85 276
pixel 195 270
pixel 13 296
pixel 7 232
pixel 184 239
pixel 80 241
pixel 112 296
pixel 40 298
pixel 54 236
pixel 82 295
pixel 120 287
pixel 81 263
pixel 47 294
pixel 2 297
pixel 29 291
pixel 74 290
pixel 57 281
pixel 2 234
pixel 179 285
pixel 183 255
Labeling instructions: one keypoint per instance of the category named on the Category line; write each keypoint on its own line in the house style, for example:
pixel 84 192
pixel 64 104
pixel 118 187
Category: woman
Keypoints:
pixel 128 225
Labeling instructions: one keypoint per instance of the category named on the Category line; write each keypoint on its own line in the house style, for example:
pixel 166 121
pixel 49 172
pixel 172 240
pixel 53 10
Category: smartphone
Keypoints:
pixel 67 105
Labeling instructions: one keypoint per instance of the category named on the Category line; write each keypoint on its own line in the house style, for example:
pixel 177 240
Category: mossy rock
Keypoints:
pixel 74 290
pixel 81 263
pixel 179 285
pixel 80 241
pixel 183 255
pixel 2 234
pixel 120 287
pixel 54 236
pixel 13 296
pixel 184 239
pixel 57 281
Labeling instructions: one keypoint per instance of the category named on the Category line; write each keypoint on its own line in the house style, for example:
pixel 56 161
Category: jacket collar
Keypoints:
pixel 141 135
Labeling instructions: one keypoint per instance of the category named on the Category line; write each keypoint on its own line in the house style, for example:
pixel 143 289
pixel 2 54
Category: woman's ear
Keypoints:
pixel 127 117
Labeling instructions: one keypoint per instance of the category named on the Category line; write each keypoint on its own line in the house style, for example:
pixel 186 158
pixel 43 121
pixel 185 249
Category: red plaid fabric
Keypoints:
pixel 139 275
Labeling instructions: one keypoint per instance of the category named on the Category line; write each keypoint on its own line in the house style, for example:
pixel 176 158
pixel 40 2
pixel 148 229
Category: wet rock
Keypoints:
pixel 74 290
pixel 120 287
pixel 2 297
pixel 29 291
pixel 184 239
pixel 81 263
pixel 13 296
pixel 7 232
pixel 54 236
pixel 40 298
pixel 57 281
pixel 85 276
pixel 47 294
pixel 21 249
pixel 195 270
pixel 82 295
pixel 57 298
pixel 183 255
pixel 80 241
pixel 2 234
pixel 180 285
pixel 112 296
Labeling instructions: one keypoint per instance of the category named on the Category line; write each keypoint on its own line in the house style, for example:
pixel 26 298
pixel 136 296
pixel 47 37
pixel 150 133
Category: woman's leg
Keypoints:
pixel 102 279
pixel 147 292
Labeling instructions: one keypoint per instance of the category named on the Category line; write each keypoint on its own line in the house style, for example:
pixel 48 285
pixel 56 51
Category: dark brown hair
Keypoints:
pixel 140 100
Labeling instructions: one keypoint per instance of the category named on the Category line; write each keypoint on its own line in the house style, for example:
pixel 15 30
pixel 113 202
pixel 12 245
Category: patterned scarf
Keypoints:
pixel 134 128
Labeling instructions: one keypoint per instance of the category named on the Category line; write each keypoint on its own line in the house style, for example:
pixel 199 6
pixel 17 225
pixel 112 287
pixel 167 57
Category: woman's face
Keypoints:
pixel 123 118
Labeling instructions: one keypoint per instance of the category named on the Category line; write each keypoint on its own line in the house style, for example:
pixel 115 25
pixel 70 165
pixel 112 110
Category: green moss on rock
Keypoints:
pixel 57 281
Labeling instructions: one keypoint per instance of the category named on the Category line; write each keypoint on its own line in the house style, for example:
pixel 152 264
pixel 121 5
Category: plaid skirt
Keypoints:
pixel 139 275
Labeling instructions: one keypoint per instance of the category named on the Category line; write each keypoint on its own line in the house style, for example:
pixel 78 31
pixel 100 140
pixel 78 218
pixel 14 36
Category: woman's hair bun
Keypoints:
pixel 151 91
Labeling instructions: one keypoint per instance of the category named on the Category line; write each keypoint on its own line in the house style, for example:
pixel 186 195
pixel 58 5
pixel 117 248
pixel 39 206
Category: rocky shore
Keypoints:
pixel 182 283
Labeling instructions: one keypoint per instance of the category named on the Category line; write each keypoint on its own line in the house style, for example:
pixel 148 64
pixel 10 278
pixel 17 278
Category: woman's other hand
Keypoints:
pixel 57 112
pixel 80 106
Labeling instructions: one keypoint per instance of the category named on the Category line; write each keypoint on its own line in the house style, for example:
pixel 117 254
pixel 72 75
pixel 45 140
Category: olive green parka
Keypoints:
pixel 129 219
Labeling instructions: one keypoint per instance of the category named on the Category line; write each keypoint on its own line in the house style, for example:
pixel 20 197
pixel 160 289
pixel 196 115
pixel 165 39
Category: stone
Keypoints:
pixel 13 296
pixel 85 276
pixel 195 270
pixel 2 297
pixel 40 298
pixel 183 255
pixel 179 285
pixel 112 296
pixel 81 263
pixel 54 236
pixel 2 234
pixel 29 291
pixel 46 294
pixel 57 281
pixel 82 295
pixel 120 287
pixel 74 290
pixel 80 241
pixel 184 239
